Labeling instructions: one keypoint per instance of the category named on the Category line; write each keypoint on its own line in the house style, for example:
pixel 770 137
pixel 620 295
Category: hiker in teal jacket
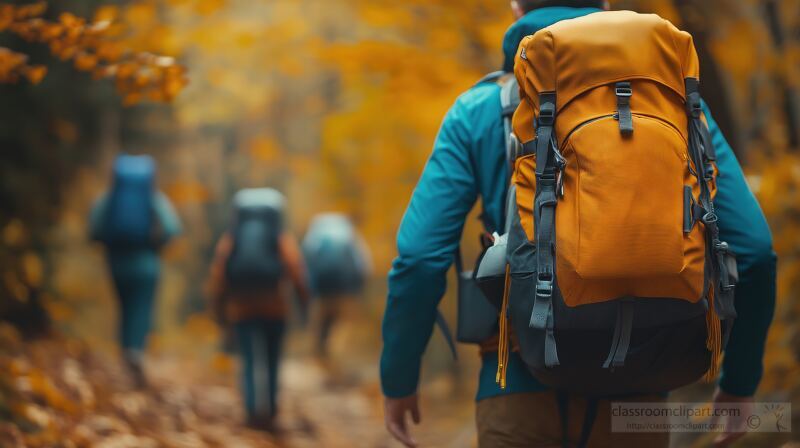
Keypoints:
pixel 467 163
pixel 135 270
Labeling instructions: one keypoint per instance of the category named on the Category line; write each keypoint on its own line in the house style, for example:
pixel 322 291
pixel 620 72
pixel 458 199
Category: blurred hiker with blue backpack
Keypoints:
pixel 134 221
pixel 257 264
pixel 625 298
pixel 338 262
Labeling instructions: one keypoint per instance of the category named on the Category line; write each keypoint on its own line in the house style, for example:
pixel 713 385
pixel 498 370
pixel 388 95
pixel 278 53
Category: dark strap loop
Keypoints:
pixel 624 92
pixel 550 350
pixel 621 341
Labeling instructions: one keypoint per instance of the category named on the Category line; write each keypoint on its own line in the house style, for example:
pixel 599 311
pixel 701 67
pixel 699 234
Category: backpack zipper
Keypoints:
pixel 615 116
pixel 586 123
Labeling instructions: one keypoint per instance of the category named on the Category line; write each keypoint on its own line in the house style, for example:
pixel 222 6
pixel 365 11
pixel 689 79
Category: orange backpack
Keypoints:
pixel 617 277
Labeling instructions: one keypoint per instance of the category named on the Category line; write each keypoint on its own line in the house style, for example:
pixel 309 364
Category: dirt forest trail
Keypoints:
pixel 56 393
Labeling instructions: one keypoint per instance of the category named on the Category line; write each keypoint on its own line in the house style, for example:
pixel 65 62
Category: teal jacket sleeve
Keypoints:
pixel 169 223
pixel 743 226
pixel 427 239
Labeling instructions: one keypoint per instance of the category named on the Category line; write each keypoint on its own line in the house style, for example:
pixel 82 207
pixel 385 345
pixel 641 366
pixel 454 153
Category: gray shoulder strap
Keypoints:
pixel 509 100
pixel 491 77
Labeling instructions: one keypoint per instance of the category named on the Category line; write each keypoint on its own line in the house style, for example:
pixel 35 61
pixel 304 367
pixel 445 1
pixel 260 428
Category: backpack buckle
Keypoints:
pixel 693 106
pixel 544 285
pixel 547 114
pixel 624 90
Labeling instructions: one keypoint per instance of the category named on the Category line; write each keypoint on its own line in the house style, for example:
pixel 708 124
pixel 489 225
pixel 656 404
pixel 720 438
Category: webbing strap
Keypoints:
pixel 625 338
pixel 544 213
pixel 491 77
pixel 702 153
pixel 624 93
pixel 544 131
pixel 621 341
pixel 509 100
pixel 550 350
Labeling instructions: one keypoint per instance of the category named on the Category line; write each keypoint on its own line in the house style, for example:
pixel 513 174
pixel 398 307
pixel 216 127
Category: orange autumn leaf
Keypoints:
pixel 85 61
pixel 36 74
pixel 100 47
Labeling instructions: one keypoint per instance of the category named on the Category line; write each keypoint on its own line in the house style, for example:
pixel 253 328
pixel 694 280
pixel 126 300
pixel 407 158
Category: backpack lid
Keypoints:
pixel 581 54
pixel 250 198
pixel 332 227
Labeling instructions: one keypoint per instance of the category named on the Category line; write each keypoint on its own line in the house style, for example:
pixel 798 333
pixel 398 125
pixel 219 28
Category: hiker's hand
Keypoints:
pixel 395 410
pixel 735 427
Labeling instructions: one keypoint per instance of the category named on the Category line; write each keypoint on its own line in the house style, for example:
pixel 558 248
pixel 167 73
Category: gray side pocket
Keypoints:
pixel 521 252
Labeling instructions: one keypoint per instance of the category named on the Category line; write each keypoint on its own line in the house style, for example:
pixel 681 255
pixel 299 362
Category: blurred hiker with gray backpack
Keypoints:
pixel 134 220
pixel 338 264
pixel 256 265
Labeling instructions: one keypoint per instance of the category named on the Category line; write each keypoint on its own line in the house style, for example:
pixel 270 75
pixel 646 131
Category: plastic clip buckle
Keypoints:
pixel 693 106
pixel 544 286
pixel 547 114
pixel 624 91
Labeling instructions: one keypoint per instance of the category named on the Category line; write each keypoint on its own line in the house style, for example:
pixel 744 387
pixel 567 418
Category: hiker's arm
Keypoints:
pixel 292 259
pixel 168 219
pixel 216 279
pixel 743 226
pixel 428 237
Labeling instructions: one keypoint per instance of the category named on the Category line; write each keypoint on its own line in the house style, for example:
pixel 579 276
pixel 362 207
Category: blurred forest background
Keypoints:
pixel 287 93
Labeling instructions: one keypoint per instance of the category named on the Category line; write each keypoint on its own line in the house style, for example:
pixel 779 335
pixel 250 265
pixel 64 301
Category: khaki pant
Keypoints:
pixel 532 420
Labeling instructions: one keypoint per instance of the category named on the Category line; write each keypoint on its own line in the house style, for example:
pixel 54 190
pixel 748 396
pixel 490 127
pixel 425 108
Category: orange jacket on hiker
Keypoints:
pixel 269 304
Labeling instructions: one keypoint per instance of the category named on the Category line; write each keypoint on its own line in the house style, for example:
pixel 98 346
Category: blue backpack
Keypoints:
pixel 255 264
pixel 332 253
pixel 129 218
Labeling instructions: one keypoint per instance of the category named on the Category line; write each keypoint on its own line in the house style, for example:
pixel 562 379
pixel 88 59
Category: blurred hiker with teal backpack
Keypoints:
pixel 338 264
pixel 134 221
pixel 256 265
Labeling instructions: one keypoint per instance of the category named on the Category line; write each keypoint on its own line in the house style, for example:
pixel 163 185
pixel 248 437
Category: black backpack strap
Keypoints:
pixel 548 164
pixel 509 101
pixel 491 77
pixel 621 341
pixel 702 154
